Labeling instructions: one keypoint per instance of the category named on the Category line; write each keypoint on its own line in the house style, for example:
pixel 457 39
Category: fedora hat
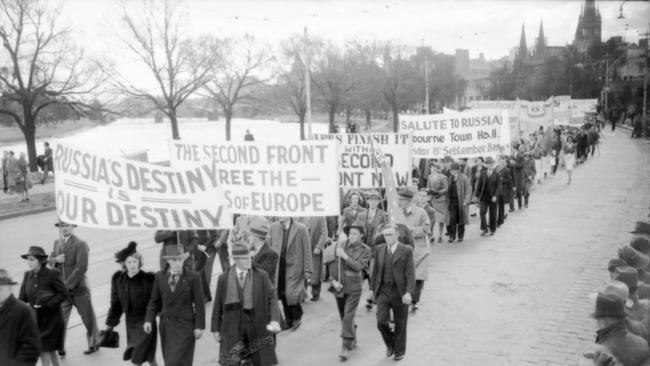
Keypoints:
pixel 615 288
pixel 628 276
pixel 173 251
pixel 641 228
pixel 240 250
pixel 355 225
pixel 489 160
pixel 405 193
pixel 373 194
pixel 259 227
pixel 615 263
pixel 454 166
pixel 633 257
pixel 63 223
pixel 35 251
pixel 641 244
pixel 5 279
pixel 609 306
pixel 126 252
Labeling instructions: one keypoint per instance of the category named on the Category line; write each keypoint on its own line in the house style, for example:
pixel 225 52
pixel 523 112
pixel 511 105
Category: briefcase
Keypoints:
pixel 109 339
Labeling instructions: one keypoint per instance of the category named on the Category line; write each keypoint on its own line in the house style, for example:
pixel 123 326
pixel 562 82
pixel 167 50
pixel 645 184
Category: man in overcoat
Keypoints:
pixel 204 256
pixel 517 163
pixel 317 229
pixel 178 297
pixel 393 282
pixel 245 313
pixel 290 239
pixel 460 195
pixel 20 341
pixel 505 193
pixel 70 257
pixel 264 257
pixel 487 191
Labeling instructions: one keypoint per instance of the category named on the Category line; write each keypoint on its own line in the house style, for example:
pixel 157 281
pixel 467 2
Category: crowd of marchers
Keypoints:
pixel 272 265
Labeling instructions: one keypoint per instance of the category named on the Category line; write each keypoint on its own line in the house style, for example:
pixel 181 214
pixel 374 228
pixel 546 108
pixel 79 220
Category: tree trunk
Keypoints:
pixel 30 139
pixel 302 127
pixel 395 119
pixel 174 122
pixel 332 114
pixel 368 124
pixel 228 115
pixel 348 114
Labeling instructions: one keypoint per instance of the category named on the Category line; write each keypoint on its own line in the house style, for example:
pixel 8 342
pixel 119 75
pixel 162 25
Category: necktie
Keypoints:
pixel 173 280
pixel 242 278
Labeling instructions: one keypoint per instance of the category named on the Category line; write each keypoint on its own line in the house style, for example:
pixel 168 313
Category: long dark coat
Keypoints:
pixel 266 259
pixel 226 318
pixel 464 191
pixel 46 290
pixel 518 171
pixel 130 296
pixel 506 184
pixel 181 311
pixel 20 341
pixel 298 259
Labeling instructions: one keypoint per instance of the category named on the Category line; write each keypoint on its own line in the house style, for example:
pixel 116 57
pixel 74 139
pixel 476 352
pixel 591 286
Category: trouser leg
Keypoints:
pixel 348 331
pixel 84 306
pixel 400 312
pixel 417 291
pixel 493 216
pixel 383 319
pixel 483 212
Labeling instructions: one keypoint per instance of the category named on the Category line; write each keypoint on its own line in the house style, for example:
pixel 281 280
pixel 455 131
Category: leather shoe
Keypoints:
pixel 61 353
pixel 399 357
pixel 91 350
pixel 315 298
pixel 296 324
pixel 389 351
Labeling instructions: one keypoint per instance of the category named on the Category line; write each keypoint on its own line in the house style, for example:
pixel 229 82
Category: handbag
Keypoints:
pixel 109 339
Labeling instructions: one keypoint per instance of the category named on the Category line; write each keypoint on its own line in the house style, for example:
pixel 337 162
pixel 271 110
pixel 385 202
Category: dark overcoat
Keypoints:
pixel 44 291
pixel 506 184
pixel 20 341
pixel 130 296
pixel 181 312
pixel 518 171
pixel 488 186
pixel 226 317
pixel 403 269
pixel 266 259
pixel 317 229
pixel 464 191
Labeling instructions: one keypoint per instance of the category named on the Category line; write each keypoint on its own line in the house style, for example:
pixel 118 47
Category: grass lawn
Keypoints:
pixel 10 135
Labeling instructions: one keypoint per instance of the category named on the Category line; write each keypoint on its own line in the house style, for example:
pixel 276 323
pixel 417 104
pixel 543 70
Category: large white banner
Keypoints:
pixel 270 179
pixel 94 190
pixel 511 106
pixel 465 134
pixel 357 166
pixel 533 115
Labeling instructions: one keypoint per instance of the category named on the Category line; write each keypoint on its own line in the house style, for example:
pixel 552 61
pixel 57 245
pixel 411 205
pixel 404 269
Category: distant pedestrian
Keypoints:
pixel 569 157
pixel 637 126
pixel 5 159
pixel 517 163
pixel 529 177
pixel 290 239
pixel 48 162
pixel 22 178
pixel 438 184
pixel 70 257
pixel 20 343
pixel 12 171
pixel 505 193
pixel 460 195
pixel 264 257
pixel 177 296
pixel 249 136
pixel 393 283
pixel 487 192
pixel 245 313
pixel 350 258
pixel 131 289
pixel 43 289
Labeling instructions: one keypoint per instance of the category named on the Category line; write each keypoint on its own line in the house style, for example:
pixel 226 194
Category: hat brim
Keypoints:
pixel 58 224
pixel 25 256
pixel 599 315
pixel 346 229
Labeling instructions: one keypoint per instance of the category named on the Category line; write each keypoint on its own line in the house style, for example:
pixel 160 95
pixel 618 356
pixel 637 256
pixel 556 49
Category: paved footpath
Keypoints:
pixel 518 298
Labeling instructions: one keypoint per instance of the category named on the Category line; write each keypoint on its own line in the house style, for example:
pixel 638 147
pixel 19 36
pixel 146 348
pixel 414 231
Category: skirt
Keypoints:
pixel 140 346
pixel 569 161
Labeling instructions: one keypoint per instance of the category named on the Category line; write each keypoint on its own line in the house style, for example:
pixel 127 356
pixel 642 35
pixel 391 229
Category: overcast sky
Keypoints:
pixel 489 27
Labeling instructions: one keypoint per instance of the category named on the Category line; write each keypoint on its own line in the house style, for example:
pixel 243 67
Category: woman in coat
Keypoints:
pixel 438 185
pixel 43 289
pixel 22 182
pixel 569 156
pixel 130 292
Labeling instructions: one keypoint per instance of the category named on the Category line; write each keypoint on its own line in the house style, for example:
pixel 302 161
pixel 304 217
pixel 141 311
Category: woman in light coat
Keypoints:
pixel 437 185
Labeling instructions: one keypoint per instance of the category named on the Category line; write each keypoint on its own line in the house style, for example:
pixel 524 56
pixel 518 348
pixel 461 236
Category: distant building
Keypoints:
pixel 588 32
pixel 476 73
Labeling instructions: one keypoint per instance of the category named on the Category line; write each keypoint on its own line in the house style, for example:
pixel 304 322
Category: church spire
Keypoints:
pixel 523 49
pixel 540 45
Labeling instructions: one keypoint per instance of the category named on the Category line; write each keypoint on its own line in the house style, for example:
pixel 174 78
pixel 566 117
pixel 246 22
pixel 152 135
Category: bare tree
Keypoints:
pixel 232 76
pixel 333 80
pixel 44 68
pixel 401 81
pixel 178 65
